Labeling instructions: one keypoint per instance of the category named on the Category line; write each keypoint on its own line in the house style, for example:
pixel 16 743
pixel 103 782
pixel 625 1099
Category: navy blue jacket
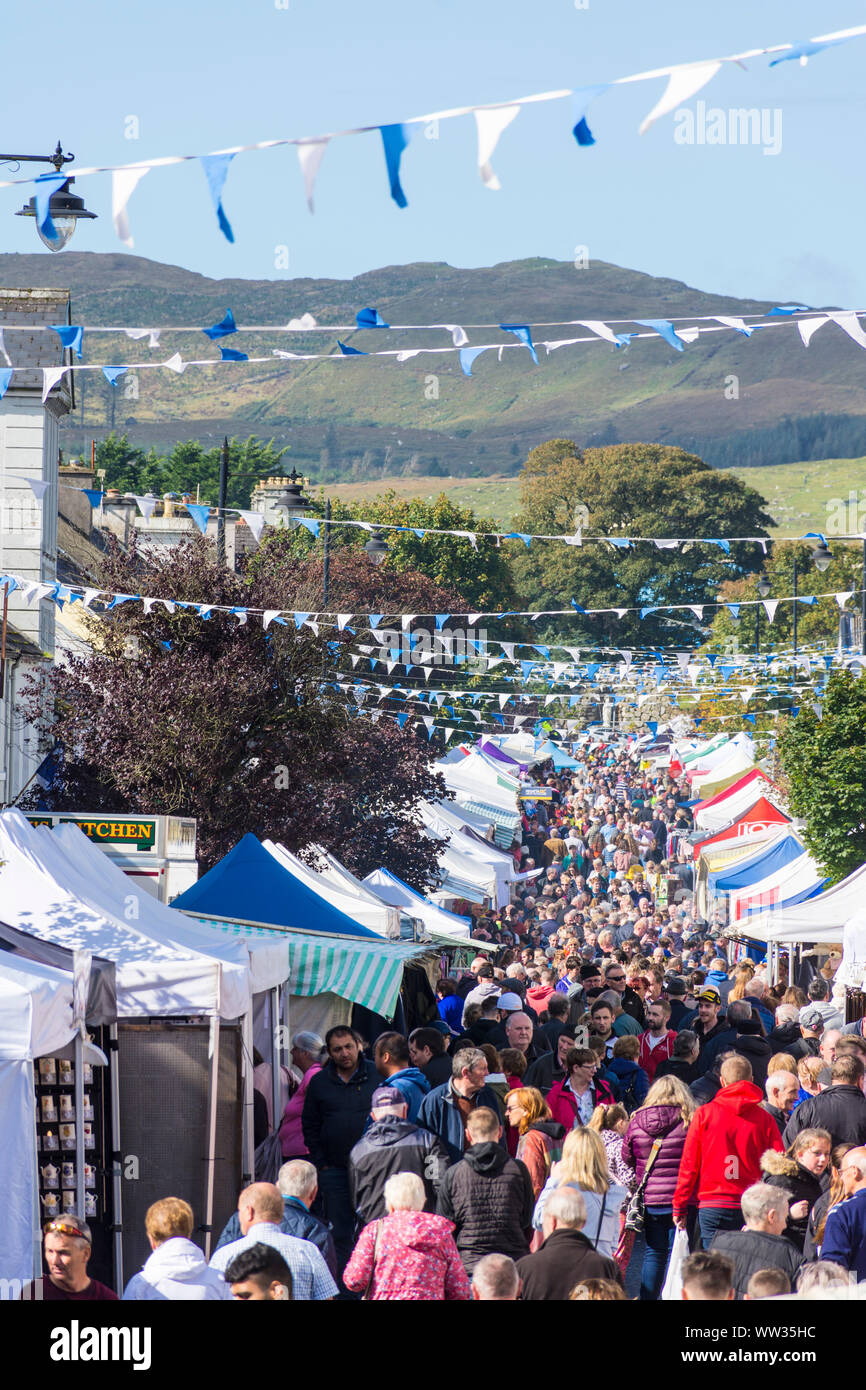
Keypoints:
pixel 845 1235
pixel 297 1221
pixel 336 1111
pixel 439 1113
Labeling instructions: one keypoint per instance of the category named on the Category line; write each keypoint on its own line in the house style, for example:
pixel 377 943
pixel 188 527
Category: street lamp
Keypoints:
pixel 763 591
pixel 376 547
pixel 822 555
pixel 65 210
pixel 292 501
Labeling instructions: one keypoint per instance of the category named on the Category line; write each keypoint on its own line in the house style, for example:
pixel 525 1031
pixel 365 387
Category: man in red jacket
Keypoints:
pixel 657 1043
pixel 722 1152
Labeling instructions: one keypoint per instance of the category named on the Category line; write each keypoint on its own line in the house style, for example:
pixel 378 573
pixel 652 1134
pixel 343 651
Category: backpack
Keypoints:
pixel 628 1094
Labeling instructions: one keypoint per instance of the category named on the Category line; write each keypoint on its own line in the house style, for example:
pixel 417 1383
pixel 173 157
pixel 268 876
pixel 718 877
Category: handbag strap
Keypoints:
pixel 600 1219
pixel 653 1155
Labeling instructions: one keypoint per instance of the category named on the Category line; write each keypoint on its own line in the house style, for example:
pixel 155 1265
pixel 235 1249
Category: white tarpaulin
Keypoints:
pixel 35 1018
pixel 489 868
pixel 852 971
pixel 728 809
pixel 366 910
pixel 476 782
pixel 337 874
pixel 154 980
pixel 822 918
pixel 109 887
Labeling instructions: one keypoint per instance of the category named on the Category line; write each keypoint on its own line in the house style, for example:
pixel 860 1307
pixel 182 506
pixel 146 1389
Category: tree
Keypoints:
pixel 482 574
pixel 188 466
pixel 649 490
pixel 824 760
pixel 817 622
pixel 240 727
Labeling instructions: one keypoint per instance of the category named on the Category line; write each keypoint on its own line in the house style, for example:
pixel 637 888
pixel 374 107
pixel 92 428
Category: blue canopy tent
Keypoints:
pixel 250 885
pixel 759 866
pixel 560 760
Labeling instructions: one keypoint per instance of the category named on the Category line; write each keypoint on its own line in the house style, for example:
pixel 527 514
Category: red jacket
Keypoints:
pixel 722 1152
pixel 563 1102
pixel 649 1057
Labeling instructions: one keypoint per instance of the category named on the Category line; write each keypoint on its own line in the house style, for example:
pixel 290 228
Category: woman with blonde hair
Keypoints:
pixel 658 1128
pixel 540 1137
pixel 782 1061
pixel 742 975
pixel 808 1071
pixel 584 1166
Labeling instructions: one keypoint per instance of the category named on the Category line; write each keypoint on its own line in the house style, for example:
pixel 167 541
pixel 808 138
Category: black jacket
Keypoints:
pixel 392 1146
pixel 748 1044
pixel 801 1186
pixel 564 1260
pixel 439 1069
pixel 720 1026
pixel 336 1111
pixel 489 1198
pixel 681 1015
pixel 632 1004
pixel 705 1088
pixel 544 1073
pixel 839 1109
pixel 677 1066
pixel 754 1250
pixel 786 1037
pixel 775 1113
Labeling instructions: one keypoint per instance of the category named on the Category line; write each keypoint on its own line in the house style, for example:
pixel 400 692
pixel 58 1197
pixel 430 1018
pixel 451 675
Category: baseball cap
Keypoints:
pixel 386 1095
pixel 811 1018
pixel 511 1003
pixel 711 995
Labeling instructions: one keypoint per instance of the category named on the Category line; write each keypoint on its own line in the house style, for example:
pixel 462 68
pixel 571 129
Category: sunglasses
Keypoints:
pixel 63 1228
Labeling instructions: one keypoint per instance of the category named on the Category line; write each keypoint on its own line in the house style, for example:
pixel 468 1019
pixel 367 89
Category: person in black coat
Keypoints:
pixel 683 1061
pixel 566 1258
pixel 787 1036
pixel 391 1144
pixel 760 1245
pixel 428 1052
pixel 799 1173
pixel 487 1195
pixel 744 1035
pixel 841 1109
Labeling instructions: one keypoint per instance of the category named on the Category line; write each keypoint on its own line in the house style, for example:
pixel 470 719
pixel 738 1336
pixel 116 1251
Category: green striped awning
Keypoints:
pixel 367 972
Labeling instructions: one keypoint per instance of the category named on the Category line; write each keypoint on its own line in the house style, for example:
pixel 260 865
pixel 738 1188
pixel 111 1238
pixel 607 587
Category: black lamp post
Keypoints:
pixel 822 555
pixel 294 504
pixel 376 547
pixel 763 591
pixel 65 210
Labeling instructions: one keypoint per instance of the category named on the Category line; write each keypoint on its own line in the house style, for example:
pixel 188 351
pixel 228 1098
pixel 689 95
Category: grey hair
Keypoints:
pixel 822 1274
pixel 404 1192
pixel 495 1278
pixel 466 1059
pixel 312 1043
pixel 787 1013
pixel 297 1178
pixel 760 1199
pixel 568 1206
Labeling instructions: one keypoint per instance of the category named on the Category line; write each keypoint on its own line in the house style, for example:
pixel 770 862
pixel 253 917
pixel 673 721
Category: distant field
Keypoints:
pixel 800 496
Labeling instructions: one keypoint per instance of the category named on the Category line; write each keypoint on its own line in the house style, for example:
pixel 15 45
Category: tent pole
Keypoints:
pixel 79 1126
pixel 213 1083
pixel 116 1170
pixel 36 1208
pixel 248 1137
pixel 276 1057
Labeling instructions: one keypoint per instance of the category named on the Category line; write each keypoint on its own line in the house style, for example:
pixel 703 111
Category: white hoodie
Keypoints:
pixel 177 1271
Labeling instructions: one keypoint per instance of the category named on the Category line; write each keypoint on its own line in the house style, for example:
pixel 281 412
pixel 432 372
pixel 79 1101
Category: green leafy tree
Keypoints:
pixel 191 465
pixel 824 761
pixel 127 467
pixel 815 622
pixel 630 489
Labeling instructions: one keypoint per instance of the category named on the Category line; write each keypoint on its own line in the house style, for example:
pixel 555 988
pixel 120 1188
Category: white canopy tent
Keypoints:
pixel 362 907
pixel 340 876
pixel 491 869
pixel 394 891
pixel 487 790
pixel 35 1019
pixel 822 918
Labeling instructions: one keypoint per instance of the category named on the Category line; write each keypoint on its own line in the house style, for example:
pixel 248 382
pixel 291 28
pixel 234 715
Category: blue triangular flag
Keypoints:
pixel 121 598
pixel 723 545
pixel 712 658
pixel 70 335
pixel 46 185
pixel 733 609
pixel 199 513
pixel 5 380
pixel 803 48
pixel 581 99
pixel 311 525
pixel 401 719
pixel 441 620
pixel 623 339
pixel 665 329
pixel 522 332
pixel 93 495
pixel 468 356
pixel 576 606
pixel 395 138
pixel 216 166
pixel 374 619
pixel 652 725
pixel 222 329
pixel 750 718
pixel 350 351
pixel 370 318
pixel 645 611
pixel 787 309
pixel 112 374
pixel 231 355
pixel 300 619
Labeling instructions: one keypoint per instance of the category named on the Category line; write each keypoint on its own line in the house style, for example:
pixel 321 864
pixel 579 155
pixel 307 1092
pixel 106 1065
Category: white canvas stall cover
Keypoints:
pixel 799 876
pixel 341 877
pixel 482 825
pixel 498 865
pixel 392 890
pixel 706 783
pixel 110 888
pixel 729 808
pixel 463 877
pixel 35 1019
pixel 366 910
pixel 154 980
pixel 822 918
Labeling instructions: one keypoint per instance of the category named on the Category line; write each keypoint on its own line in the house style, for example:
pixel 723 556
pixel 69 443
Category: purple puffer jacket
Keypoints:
pixel 656 1122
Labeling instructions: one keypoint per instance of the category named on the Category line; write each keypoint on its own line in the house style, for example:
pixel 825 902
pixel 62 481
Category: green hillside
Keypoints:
pixel 360 418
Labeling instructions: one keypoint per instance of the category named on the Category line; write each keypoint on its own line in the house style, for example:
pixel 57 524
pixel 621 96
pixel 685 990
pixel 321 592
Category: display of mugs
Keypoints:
pixel 47 1071
pixel 68 1207
pixel 67 1107
pixel 50 1142
pixel 89 1175
pixel 67 1136
pixel 90 1204
pixel 49 1176
pixel 89 1141
pixel 48 1108
pixel 66 1072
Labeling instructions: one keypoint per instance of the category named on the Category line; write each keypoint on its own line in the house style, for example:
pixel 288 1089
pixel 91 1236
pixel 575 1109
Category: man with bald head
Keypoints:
pixel 518 1031
pixel 260 1212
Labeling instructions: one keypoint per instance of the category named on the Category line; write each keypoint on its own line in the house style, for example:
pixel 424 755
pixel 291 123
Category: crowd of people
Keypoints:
pixel 601 1078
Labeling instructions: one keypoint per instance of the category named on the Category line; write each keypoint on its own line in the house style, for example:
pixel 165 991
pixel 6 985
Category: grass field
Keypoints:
pixel 800 496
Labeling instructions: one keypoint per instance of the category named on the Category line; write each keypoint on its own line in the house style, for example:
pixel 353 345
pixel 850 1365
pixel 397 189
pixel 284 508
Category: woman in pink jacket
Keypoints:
pixel 308 1055
pixel 408 1255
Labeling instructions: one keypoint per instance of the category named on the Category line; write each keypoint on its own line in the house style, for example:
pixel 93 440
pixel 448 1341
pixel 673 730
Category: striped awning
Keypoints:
pixel 367 972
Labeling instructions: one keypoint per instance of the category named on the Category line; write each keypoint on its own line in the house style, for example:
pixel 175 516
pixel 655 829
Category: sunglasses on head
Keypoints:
pixel 63 1228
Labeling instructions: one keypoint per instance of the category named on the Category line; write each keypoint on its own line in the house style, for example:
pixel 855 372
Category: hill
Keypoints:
pixel 368 419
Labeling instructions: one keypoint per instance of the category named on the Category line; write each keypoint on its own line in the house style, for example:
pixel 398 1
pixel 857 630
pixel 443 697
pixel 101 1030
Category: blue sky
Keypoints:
pixel 199 76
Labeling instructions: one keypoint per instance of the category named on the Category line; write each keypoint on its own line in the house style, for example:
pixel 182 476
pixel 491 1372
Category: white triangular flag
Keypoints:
pixel 123 184
pixel 256 523
pixel 688 335
pixel 491 124
pixel 50 378
pixel 38 486
pixel 627 657
pixel 770 606
pixel 508 648
pixel 808 327
pixel 406 620
pixel 268 617
pixel 459 336
pixel 600 328
pixel 152 334
pixel 310 155
pixel 666 545
pixel 683 83
pixel 731 321
pixel 6 356
pixel 407 353
pixel 842 599
pixel 146 505
pixel 683 659
pixel 90 595
pixel 849 322
pixel 343 619
pixel 175 364
pixel 698 610
pixel 355 657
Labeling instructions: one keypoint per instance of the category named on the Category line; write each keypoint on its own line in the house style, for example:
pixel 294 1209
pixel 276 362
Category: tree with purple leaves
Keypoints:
pixel 175 712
